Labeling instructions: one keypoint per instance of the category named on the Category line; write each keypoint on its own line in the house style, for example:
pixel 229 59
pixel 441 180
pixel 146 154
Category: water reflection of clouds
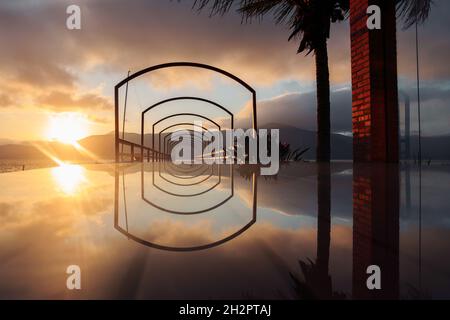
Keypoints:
pixel 147 217
pixel 104 256
pixel 294 192
pixel 42 232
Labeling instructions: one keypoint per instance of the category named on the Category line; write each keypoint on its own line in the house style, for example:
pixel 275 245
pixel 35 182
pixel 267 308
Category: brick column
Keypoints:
pixel 374 84
pixel 376 229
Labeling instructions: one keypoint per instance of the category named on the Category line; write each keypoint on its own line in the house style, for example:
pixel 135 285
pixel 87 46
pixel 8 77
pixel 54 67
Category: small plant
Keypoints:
pixel 287 155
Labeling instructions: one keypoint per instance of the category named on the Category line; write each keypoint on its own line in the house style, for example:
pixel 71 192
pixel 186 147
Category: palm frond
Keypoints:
pixel 299 154
pixel 282 10
pixel 412 11
pixel 308 20
pixel 216 7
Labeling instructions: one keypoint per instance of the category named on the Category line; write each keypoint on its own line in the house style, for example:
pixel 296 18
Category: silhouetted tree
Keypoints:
pixel 309 22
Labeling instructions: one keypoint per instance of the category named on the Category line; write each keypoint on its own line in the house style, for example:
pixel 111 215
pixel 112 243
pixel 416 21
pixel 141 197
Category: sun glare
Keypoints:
pixel 67 127
pixel 68 177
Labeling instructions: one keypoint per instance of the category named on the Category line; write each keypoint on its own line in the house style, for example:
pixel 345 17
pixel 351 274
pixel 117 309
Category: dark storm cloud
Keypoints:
pixel 299 110
pixel 430 90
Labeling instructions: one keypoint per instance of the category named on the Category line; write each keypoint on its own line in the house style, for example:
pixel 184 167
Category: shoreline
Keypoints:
pixel 13 165
pixel 10 165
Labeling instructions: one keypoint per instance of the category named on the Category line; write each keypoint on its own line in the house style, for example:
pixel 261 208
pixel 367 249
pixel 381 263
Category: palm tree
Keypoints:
pixel 309 22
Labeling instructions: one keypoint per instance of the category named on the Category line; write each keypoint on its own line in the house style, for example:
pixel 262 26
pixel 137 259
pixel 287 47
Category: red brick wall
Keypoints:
pixel 374 84
pixel 376 229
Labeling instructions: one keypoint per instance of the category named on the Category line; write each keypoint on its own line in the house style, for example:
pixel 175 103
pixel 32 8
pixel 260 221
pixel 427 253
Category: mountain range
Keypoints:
pixel 102 146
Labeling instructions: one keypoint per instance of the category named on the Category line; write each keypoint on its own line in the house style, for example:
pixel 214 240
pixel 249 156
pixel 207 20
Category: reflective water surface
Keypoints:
pixel 165 231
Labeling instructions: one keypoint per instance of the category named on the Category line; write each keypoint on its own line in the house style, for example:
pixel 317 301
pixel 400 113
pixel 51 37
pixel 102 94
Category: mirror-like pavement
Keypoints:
pixel 188 232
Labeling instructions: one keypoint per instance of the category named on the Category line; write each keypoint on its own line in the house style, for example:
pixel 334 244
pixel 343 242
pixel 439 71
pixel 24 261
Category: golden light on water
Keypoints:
pixel 69 178
pixel 67 127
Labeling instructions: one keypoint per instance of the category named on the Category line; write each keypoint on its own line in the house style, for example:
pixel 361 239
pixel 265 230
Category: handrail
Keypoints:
pixel 143 148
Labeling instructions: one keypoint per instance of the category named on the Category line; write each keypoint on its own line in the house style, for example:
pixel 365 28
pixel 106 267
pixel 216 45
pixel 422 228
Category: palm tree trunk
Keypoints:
pixel 323 217
pixel 324 170
pixel 323 103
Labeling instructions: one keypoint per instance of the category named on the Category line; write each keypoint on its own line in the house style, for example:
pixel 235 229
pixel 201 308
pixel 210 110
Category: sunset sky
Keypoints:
pixel 53 77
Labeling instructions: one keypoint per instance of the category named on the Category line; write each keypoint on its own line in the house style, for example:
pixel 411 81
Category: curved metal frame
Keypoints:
pixel 176 99
pixel 180 124
pixel 170 65
pixel 186 177
pixel 186 184
pixel 193 194
pixel 189 98
pixel 172 116
pixel 181 212
pixel 184 172
pixel 174 125
pixel 166 143
pixel 191 248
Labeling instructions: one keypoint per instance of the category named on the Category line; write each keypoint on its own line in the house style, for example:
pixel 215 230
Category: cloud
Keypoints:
pixel 99 119
pixel 120 35
pixel 137 34
pixel 429 90
pixel 40 58
pixel 34 51
pixel 300 110
pixel 5 100
pixel 435 106
pixel 58 100
pixel 433 46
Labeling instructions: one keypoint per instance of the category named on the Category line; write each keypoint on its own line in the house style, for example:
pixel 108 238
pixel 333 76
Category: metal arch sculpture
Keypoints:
pixel 184 176
pixel 187 114
pixel 175 125
pixel 170 65
pixel 219 180
pixel 187 248
pixel 189 98
pixel 166 143
pixel 184 212
pixel 177 99
pixel 172 116
pixel 179 168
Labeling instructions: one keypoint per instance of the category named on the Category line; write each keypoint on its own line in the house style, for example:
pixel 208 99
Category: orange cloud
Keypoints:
pixel 58 100
pixel 5 101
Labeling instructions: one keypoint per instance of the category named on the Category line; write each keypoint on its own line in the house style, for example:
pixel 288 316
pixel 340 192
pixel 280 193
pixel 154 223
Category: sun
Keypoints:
pixel 67 127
